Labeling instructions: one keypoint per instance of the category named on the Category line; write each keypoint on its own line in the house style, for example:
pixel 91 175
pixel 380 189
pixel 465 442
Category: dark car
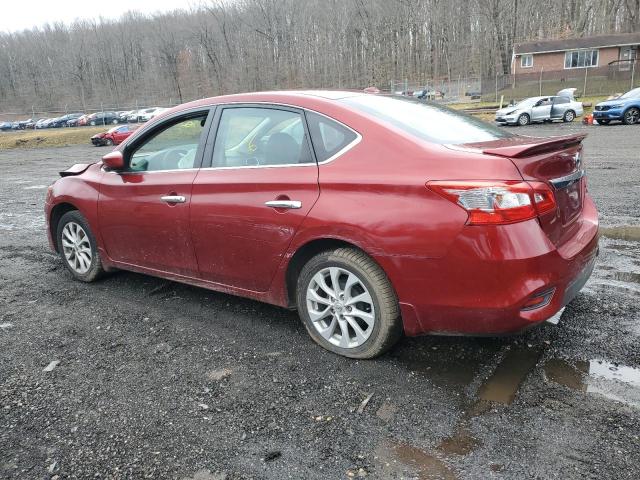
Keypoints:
pixel 103 118
pixel 372 215
pixel 62 121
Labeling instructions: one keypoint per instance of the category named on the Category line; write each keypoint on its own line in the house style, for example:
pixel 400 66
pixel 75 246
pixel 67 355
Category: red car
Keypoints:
pixel 113 136
pixel 372 215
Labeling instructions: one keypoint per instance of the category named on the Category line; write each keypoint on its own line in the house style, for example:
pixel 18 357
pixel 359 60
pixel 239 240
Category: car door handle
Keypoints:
pixel 173 199
pixel 291 204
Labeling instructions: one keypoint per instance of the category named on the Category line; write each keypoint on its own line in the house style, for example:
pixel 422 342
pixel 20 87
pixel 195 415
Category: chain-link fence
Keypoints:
pixel 462 88
pixel 617 77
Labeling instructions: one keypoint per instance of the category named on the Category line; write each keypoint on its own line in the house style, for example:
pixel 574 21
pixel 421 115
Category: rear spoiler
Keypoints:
pixel 535 146
pixel 76 169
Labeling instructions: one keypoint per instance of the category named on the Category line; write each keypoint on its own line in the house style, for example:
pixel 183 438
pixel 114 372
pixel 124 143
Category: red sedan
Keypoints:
pixel 372 215
pixel 113 136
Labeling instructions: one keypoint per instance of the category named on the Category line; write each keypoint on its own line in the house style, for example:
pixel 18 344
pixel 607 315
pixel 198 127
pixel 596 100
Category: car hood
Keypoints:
pixel 617 101
pixel 506 110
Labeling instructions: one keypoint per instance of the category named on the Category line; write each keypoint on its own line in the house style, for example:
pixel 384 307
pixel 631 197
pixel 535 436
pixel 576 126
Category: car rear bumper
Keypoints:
pixel 490 274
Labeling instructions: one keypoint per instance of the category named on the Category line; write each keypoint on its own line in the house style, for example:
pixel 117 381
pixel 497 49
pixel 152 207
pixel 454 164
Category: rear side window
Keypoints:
pixel 328 136
pixel 260 136
pixel 426 120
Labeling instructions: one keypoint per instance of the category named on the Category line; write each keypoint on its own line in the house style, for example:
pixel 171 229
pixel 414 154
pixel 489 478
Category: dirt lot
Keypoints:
pixel 161 380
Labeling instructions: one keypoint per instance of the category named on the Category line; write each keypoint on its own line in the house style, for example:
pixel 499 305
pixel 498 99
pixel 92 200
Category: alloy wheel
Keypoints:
pixel 77 247
pixel 340 307
pixel 632 116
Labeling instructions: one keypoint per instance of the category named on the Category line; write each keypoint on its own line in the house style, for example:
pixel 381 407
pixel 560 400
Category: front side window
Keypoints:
pixel 426 120
pixel 581 59
pixel 526 61
pixel 256 136
pixel 328 137
pixel 172 148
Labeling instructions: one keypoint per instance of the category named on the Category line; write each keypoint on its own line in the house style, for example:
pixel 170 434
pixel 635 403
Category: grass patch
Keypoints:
pixel 55 137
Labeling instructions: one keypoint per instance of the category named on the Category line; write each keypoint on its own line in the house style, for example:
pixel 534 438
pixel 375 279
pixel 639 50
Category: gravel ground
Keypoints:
pixel 161 380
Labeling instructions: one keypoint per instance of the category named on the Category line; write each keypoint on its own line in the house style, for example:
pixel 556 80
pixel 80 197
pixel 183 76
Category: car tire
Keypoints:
pixel 524 119
pixel 569 116
pixel 114 122
pixel 92 123
pixel 78 248
pixel 631 116
pixel 108 142
pixel 365 329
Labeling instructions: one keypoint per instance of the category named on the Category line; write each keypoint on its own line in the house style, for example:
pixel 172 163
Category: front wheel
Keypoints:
pixel 92 123
pixel 108 142
pixel 569 116
pixel 77 247
pixel 348 304
pixel 524 119
pixel 631 116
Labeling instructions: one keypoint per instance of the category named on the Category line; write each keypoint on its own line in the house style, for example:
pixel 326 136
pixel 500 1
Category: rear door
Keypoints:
pixel 246 207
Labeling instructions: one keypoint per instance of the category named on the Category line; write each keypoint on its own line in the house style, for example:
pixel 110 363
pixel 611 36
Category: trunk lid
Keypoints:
pixel 556 161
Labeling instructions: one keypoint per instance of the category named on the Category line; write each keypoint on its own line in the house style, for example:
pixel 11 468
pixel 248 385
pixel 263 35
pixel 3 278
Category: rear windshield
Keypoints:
pixel 425 120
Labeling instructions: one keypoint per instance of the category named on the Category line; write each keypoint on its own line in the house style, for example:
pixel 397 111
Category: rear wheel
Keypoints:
pixel 347 304
pixel 569 116
pixel 631 116
pixel 108 142
pixel 114 121
pixel 77 247
pixel 524 119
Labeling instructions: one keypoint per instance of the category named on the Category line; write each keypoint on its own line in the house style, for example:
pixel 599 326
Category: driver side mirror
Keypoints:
pixel 114 160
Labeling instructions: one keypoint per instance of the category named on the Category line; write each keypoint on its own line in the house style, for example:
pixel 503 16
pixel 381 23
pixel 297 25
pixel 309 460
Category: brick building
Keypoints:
pixel 619 50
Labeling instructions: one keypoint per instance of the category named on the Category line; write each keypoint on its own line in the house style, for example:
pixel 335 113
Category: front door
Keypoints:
pixel 247 206
pixel 541 110
pixel 143 211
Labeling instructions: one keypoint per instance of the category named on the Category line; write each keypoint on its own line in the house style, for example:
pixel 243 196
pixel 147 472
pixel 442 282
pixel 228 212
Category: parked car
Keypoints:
pixel 62 121
pixel 124 116
pixel 103 118
pixel 428 93
pixel 562 106
pixel 133 116
pixel 77 121
pixel 44 123
pixel 373 215
pixel 5 126
pixel 31 123
pixel 114 136
pixel 149 113
pixel 625 109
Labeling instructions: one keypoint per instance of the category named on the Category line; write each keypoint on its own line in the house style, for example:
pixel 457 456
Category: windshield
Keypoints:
pixel 635 93
pixel 425 120
pixel 527 102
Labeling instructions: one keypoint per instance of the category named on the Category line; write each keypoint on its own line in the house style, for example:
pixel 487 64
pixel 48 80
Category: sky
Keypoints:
pixel 25 14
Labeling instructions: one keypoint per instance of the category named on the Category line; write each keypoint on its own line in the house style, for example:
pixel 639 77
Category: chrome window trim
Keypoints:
pixel 339 153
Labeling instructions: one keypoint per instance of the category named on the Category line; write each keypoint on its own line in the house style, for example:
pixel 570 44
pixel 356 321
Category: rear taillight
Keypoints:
pixel 497 202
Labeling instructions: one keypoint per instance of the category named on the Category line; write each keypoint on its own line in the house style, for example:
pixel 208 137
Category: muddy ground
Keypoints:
pixel 160 380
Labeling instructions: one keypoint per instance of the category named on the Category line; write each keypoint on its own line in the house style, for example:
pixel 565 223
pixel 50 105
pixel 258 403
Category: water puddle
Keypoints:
pixel 503 384
pixel 424 465
pixel 621 233
pixel 616 382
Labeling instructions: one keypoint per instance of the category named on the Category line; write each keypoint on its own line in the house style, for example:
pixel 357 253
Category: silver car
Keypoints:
pixel 562 106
